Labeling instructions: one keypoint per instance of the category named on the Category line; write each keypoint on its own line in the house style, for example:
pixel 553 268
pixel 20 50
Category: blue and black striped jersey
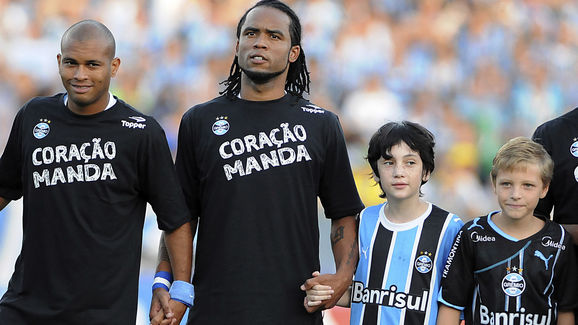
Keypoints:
pixel 399 269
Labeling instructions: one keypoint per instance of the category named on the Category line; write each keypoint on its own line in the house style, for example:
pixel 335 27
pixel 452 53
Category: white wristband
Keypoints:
pixel 162 281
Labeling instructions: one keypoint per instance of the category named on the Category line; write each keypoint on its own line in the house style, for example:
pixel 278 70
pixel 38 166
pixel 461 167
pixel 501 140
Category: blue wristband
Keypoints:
pixel 163 280
pixel 183 292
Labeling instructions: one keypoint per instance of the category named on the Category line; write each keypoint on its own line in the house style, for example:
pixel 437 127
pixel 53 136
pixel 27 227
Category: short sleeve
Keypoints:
pixel 161 185
pixel 11 162
pixel 457 276
pixel 566 281
pixel 545 204
pixel 186 165
pixel 337 191
pixel 454 227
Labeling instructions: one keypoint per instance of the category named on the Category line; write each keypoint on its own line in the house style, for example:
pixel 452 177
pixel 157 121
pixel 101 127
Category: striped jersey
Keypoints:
pixel 399 269
pixel 497 279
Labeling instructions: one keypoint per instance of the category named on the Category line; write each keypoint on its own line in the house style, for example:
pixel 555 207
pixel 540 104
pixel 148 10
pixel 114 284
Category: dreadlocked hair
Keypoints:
pixel 297 77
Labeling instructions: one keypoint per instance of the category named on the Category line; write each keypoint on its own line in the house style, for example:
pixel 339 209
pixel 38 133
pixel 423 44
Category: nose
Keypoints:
pixel 80 72
pixel 516 192
pixel 398 170
pixel 260 41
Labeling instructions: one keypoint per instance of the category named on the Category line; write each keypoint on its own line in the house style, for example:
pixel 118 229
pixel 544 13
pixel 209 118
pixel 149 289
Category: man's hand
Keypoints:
pixel 179 310
pixel 338 283
pixel 160 307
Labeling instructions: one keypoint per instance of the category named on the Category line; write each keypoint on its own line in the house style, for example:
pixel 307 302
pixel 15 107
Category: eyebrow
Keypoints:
pixel 404 156
pixel 67 58
pixel 268 31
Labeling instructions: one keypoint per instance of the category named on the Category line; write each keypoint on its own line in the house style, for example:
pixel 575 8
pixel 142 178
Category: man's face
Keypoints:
pixel 86 68
pixel 264 48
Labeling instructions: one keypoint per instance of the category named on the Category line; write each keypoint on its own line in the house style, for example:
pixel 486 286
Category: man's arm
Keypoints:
pixel 179 246
pixel 447 315
pixel 3 203
pixel 175 256
pixel 345 253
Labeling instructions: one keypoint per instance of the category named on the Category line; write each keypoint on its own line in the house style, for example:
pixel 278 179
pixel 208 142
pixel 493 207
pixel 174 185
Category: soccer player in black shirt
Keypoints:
pixel 86 164
pixel 512 267
pixel 560 138
pixel 253 164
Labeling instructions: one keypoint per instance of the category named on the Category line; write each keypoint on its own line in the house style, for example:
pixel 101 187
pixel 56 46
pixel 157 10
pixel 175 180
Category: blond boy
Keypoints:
pixel 511 267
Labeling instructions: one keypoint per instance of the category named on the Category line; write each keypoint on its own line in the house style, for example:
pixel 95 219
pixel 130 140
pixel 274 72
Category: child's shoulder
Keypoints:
pixel 371 212
pixel 369 218
pixel 373 208
pixel 479 223
pixel 436 210
pixel 452 219
pixel 553 232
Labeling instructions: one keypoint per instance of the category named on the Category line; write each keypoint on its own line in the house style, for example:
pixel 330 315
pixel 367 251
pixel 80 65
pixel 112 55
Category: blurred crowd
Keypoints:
pixel 474 72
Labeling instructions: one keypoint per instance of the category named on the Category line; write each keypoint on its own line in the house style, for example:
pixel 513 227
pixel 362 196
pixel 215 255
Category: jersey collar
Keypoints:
pixel 111 100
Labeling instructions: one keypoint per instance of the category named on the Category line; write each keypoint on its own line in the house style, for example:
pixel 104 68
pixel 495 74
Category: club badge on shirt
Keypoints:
pixel 41 129
pixel 423 263
pixel 574 148
pixel 221 126
pixel 513 284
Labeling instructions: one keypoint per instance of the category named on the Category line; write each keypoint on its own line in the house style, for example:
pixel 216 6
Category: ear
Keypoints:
pixel 493 183
pixel 544 191
pixel 58 58
pixel 237 48
pixel 115 64
pixel 425 177
pixel 294 53
pixel 376 178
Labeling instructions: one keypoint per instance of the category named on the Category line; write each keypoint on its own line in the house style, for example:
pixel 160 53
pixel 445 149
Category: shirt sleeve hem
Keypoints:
pixel 443 301
pixel 10 195
pixel 343 214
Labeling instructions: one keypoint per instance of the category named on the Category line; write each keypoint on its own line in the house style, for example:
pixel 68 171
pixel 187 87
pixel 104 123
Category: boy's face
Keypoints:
pixel 401 175
pixel 519 190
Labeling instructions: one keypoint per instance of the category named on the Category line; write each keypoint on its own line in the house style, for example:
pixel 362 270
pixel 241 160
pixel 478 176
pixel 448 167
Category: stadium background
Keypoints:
pixel 475 72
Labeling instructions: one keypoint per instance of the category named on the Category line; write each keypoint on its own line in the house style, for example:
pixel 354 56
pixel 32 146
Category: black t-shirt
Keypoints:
pixel 497 279
pixel 252 172
pixel 85 182
pixel 560 138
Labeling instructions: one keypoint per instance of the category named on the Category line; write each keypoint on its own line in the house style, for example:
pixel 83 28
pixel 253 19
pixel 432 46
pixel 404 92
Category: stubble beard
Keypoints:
pixel 261 78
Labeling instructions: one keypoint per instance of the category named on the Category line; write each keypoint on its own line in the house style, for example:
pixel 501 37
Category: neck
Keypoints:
pixel 91 109
pixel 271 90
pixel 405 210
pixel 518 228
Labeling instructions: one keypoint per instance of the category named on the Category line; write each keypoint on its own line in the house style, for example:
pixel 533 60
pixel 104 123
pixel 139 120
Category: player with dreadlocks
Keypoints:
pixel 253 163
pixel 297 80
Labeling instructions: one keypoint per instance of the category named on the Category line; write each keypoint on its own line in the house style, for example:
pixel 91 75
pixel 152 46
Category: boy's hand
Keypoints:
pixel 317 295
pixel 160 307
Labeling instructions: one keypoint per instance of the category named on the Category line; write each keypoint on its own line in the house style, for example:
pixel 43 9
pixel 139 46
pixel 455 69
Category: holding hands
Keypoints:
pixel 320 292
pixel 164 310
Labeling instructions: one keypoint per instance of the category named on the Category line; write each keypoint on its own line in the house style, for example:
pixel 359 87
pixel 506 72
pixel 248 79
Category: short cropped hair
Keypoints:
pixel 522 150
pixel 417 137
